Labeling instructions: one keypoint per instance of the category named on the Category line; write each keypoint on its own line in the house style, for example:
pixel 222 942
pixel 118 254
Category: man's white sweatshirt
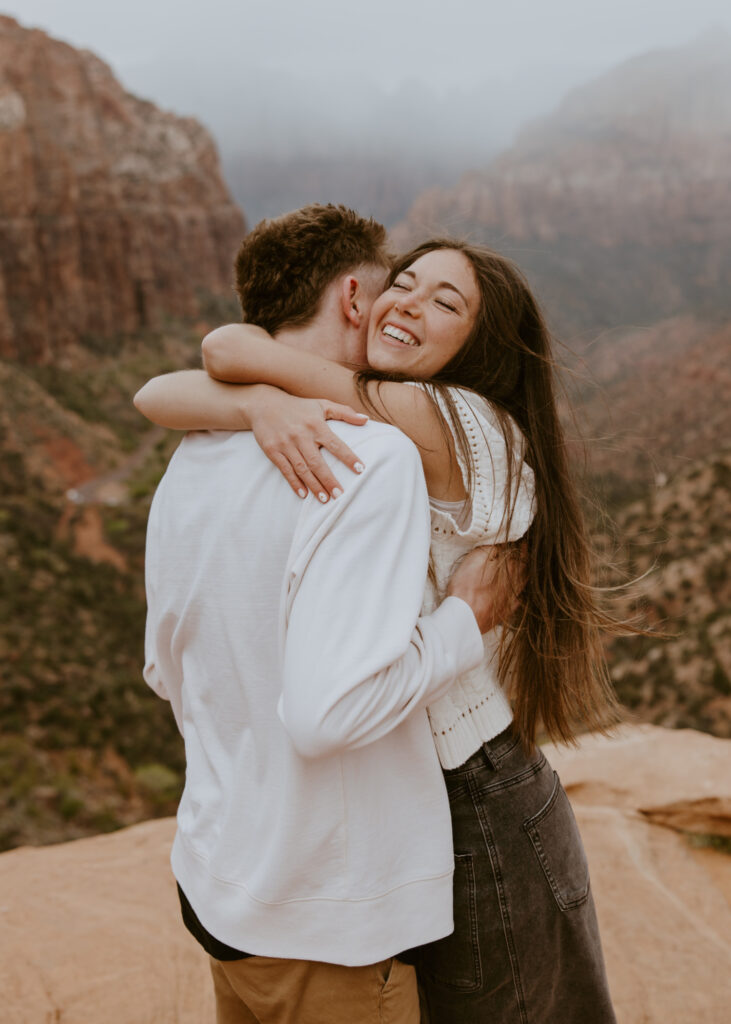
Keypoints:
pixel 286 635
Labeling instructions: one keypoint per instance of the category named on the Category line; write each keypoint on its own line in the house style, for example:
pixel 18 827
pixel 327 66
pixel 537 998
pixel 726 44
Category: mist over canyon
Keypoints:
pixel 117 229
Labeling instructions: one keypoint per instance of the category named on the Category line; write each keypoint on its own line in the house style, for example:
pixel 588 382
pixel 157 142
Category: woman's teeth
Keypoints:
pixel 399 335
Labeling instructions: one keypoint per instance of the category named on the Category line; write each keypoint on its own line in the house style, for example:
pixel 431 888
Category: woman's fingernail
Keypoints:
pixel 322 496
pixel 302 492
pixel 337 492
pixel 359 467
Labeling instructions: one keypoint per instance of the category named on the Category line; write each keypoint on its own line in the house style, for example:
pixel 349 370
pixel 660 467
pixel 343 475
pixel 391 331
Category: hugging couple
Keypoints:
pixel 360 627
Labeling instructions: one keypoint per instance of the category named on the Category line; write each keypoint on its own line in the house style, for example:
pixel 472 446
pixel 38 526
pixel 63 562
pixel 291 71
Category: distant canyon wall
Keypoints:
pixel 113 213
pixel 618 204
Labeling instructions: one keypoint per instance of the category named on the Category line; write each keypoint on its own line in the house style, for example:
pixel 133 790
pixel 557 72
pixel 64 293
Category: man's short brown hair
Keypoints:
pixel 284 265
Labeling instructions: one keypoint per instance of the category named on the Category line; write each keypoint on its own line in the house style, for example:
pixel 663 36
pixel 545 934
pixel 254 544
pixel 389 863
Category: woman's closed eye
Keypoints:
pixel 404 286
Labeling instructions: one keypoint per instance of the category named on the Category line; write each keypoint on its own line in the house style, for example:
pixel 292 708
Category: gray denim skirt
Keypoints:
pixel 526 945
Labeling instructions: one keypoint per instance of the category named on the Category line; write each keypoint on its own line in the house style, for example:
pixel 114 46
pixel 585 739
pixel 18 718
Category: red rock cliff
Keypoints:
pixel 112 213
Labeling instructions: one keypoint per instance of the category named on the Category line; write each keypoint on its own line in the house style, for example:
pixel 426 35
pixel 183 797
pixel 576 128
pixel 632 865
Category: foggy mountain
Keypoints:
pixel 654 97
pixel 618 205
pixel 292 141
pixel 286 140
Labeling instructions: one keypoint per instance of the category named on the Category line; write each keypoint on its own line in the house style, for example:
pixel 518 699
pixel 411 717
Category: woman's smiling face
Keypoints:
pixel 423 320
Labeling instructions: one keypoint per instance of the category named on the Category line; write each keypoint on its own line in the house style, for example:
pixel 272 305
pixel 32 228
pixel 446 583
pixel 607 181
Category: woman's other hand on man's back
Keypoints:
pixel 490 580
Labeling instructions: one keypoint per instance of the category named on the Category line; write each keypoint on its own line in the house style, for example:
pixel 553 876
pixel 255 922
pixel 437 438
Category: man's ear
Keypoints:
pixel 351 300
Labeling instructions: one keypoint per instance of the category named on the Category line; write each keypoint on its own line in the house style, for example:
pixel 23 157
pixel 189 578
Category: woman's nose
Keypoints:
pixel 407 304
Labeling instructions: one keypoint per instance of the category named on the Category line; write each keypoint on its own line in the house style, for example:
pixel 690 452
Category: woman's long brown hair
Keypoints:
pixel 551 658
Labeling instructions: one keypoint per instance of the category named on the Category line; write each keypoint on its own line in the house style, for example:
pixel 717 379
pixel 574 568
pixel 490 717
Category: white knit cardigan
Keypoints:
pixel 476 709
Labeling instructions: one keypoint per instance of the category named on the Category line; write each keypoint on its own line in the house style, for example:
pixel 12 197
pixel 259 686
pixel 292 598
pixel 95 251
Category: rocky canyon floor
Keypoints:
pixel 91 931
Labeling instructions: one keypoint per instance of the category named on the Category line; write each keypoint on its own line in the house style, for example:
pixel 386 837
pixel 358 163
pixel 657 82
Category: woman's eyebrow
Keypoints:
pixel 453 288
pixel 442 284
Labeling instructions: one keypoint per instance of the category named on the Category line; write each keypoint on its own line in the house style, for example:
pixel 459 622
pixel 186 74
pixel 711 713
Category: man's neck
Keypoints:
pixel 321 337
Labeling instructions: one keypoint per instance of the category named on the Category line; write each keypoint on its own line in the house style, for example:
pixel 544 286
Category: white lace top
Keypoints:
pixel 475 709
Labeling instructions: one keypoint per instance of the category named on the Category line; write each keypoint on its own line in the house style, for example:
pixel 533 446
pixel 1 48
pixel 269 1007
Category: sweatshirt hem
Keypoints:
pixel 317 928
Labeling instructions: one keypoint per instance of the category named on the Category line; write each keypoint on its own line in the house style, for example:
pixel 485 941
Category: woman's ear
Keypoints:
pixel 351 300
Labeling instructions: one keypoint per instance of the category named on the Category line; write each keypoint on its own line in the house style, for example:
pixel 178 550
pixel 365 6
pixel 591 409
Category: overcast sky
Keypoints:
pixel 224 60
pixel 443 42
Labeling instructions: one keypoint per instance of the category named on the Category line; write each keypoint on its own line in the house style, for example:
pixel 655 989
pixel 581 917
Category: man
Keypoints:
pixel 314 839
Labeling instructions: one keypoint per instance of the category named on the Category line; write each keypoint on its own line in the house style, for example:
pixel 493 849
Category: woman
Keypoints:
pixel 460 361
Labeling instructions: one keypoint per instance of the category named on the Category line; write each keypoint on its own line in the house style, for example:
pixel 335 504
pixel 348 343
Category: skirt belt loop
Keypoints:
pixel 492 759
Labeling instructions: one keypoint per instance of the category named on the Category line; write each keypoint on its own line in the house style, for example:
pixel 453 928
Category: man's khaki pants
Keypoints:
pixel 262 990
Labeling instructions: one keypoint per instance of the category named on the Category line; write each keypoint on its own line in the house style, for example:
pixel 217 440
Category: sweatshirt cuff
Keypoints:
pixel 457 621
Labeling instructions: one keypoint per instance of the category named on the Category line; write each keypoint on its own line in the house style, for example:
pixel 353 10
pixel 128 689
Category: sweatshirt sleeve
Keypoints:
pixel 358 659
pixel 151 671
pixel 157 629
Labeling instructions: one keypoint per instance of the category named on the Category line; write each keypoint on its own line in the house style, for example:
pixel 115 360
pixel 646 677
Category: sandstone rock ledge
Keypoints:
pixel 90 932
